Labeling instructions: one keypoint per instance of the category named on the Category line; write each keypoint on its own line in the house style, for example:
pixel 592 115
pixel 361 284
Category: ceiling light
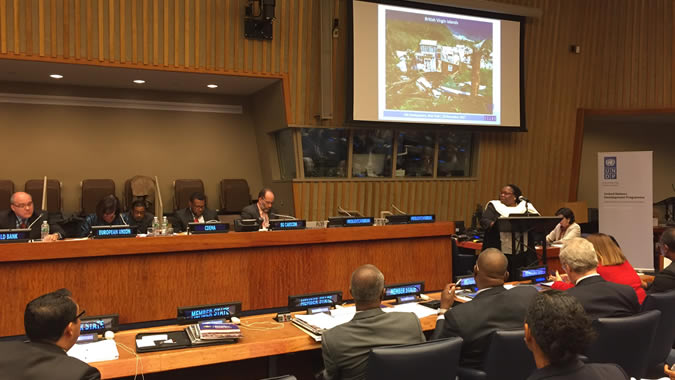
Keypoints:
pixel 212 85
pixel 56 76
pixel 139 81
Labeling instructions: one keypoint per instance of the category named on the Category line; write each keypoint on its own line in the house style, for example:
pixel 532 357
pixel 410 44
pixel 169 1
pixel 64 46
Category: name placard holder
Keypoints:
pixel 314 300
pixel 404 292
pixel 19 235
pixel 113 232
pixel 193 314
pixel 207 228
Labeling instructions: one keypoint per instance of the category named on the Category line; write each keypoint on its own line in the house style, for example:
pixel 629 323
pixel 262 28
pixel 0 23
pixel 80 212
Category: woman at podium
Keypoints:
pixel 565 230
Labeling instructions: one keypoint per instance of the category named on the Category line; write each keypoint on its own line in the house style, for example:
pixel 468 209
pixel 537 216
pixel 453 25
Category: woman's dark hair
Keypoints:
pixel 566 213
pixel 559 325
pixel 516 190
pixel 47 316
pixel 108 204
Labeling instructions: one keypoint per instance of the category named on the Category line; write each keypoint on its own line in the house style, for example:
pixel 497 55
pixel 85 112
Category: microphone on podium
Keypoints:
pixel 522 198
pixel 398 209
pixel 282 216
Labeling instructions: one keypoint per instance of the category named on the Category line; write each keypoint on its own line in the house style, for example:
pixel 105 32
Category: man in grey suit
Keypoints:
pixel 346 347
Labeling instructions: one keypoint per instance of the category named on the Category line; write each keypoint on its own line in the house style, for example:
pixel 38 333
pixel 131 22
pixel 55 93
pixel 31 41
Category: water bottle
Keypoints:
pixel 165 225
pixel 44 230
pixel 155 226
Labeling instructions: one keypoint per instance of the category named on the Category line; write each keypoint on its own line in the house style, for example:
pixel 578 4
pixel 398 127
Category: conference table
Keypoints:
pixel 552 253
pixel 147 279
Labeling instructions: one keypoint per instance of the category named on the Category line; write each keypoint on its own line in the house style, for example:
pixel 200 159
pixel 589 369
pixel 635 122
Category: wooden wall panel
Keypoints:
pixel 626 62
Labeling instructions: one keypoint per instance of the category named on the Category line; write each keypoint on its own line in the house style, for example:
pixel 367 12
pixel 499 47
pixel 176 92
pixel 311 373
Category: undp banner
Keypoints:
pixel 625 204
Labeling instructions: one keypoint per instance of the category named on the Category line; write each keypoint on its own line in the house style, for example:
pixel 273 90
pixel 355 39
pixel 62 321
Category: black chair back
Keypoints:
pixel 436 359
pixel 625 341
pixel 665 331
pixel 508 358
pixel 462 263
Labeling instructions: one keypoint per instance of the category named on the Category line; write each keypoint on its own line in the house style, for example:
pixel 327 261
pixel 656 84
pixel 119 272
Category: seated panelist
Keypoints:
pixel 107 214
pixel 22 214
pixel 262 209
pixel 565 230
pixel 139 216
pixel 196 212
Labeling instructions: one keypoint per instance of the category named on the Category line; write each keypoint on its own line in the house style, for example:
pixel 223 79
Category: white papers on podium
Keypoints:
pixel 420 311
pixel 95 352
pixel 315 324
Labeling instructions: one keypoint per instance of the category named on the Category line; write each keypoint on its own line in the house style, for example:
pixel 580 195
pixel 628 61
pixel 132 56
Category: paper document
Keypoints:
pixel 412 307
pixel 95 352
pixel 323 321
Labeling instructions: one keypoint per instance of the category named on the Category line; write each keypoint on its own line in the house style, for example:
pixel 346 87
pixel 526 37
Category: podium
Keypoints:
pixel 526 224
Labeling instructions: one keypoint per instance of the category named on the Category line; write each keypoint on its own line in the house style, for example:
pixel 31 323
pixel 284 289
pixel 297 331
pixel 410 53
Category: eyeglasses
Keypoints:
pixel 505 193
pixel 79 315
pixel 23 205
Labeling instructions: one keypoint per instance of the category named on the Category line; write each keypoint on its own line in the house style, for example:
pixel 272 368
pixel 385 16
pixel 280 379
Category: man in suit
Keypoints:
pixel 139 216
pixel 346 347
pixel 599 298
pixel 493 308
pixel 262 209
pixel 197 212
pixel 22 214
pixel 557 330
pixel 665 280
pixel 52 323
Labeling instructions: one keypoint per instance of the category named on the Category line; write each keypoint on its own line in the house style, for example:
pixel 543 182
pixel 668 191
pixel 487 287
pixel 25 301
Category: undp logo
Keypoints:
pixel 610 168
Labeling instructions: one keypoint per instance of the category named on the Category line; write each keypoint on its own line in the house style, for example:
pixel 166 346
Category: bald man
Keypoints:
pixel 22 214
pixel 493 308
pixel 345 348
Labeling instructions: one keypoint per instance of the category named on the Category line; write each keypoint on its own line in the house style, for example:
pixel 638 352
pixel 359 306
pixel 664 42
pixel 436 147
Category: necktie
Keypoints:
pixel 23 223
pixel 196 220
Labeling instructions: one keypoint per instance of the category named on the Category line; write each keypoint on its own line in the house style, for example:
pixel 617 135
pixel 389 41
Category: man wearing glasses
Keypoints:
pixel 22 214
pixel 52 323
pixel 262 209
pixel 665 280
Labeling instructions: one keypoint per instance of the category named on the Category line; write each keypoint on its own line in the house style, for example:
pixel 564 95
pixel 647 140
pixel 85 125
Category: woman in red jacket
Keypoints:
pixel 612 266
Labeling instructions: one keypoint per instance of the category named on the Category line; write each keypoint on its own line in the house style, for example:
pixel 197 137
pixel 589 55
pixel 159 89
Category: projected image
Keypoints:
pixel 437 67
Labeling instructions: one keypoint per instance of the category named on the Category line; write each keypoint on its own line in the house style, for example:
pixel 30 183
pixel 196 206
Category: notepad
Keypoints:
pixel 95 352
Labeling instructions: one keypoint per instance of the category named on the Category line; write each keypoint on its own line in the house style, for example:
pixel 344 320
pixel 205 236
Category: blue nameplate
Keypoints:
pixel 285 224
pixel 405 289
pixel 421 219
pixel 208 228
pixel 19 235
pixel 99 324
pixel 306 301
pixel 192 314
pixel 110 232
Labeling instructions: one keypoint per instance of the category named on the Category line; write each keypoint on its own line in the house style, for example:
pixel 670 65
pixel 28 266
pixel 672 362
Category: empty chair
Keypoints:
pixel 182 189
pixel 6 191
pixel 436 359
pixel 665 331
pixel 625 341
pixel 507 358
pixel 34 188
pixel 93 190
pixel 234 195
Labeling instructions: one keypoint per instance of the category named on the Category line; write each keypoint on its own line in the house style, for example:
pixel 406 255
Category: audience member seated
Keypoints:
pixel 139 217
pixel 52 323
pixel 196 212
pixel 493 308
pixel 612 266
pixel 22 214
pixel 346 347
pixel 557 330
pixel 665 280
pixel 262 209
pixel 566 229
pixel 600 298
pixel 107 214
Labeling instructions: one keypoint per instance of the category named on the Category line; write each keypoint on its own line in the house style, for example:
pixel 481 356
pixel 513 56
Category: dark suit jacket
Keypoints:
pixel 577 370
pixel 603 299
pixel 8 221
pixel 346 347
pixel 37 361
pixel 142 226
pixel 251 212
pixel 475 321
pixel 184 217
pixel 664 280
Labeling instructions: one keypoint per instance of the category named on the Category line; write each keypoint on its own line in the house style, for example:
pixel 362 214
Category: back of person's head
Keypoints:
pixel 566 213
pixel 579 255
pixel 668 238
pixel 491 268
pixel 559 325
pixel 367 284
pixel 47 316
pixel 606 249
pixel 107 205
pixel 516 190
pixel 197 195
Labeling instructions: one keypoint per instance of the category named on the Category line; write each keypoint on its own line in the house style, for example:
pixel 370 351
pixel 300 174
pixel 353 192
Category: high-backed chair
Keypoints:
pixel 625 341
pixel 507 358
pixel 34 188
pixel 6 191
pixel 234 195
pixel 665 331
pixel 182 189
pixel 436 359
pixel 93 190
pixel 140 187
pixel 462 263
